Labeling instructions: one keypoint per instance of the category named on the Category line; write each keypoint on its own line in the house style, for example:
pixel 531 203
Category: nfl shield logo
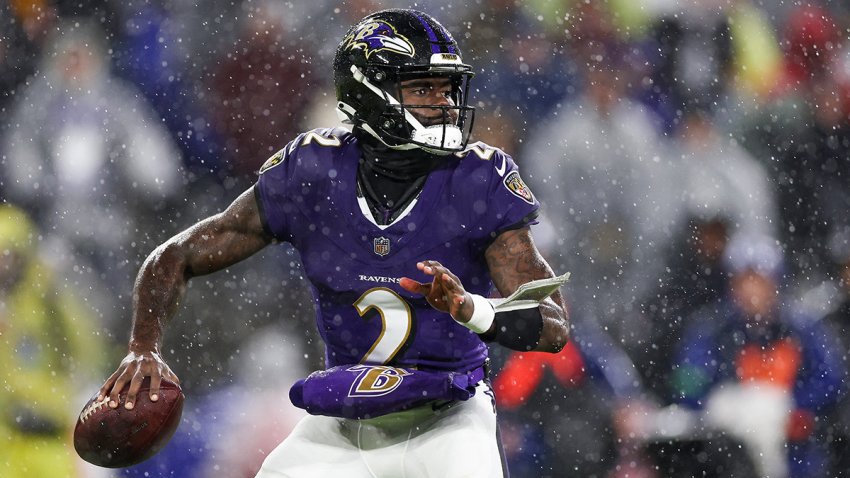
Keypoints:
pixel 382 246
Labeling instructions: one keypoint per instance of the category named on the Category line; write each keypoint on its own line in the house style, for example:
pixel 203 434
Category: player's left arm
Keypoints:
pixel 513 260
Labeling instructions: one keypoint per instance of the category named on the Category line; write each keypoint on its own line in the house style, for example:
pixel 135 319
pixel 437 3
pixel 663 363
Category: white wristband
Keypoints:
pixel 482 315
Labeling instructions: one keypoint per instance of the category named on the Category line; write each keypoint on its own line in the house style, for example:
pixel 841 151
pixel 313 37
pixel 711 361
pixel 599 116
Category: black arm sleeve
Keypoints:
pixel 516 329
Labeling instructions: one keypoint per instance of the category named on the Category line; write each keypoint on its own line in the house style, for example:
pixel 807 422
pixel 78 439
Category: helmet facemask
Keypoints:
pixel 441 130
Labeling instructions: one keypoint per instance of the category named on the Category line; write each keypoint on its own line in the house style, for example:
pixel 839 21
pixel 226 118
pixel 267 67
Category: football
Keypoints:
pixel 115 438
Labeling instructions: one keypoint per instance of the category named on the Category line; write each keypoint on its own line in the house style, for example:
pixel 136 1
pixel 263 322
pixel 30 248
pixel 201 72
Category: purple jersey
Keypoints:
pixel 307 194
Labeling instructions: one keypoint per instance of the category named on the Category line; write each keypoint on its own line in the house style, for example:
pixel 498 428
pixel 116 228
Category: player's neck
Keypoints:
pixel 386 196
pixel 390 179
pixel 403 166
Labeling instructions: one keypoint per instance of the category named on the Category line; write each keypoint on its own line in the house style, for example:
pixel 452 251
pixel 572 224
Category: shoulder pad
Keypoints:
pixel 322 137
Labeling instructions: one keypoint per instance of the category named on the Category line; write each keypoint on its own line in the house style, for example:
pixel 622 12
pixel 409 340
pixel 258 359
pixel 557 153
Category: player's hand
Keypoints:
pixel 445 292
pixel 133 369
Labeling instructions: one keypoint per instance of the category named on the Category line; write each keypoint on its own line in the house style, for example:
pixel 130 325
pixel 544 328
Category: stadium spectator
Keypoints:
pixel 24 27
pixel 599 167
pixel 719 177
pixel 838 319
pixel 527 74
pixel 758 369
pixel 92 164
pixel 49 350
pixel 691 56
pixel 695 279
pixel 156 56
pixel 803 138
pixel 259 93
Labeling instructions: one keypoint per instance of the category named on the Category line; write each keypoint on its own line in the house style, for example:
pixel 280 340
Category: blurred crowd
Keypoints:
pixel 693 162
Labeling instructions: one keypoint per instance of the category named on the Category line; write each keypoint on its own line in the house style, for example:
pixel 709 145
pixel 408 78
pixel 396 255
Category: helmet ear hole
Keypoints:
pixel 374 74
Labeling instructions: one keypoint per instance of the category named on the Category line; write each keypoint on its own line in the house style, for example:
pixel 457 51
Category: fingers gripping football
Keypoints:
pixel 133 369
pixel 444 293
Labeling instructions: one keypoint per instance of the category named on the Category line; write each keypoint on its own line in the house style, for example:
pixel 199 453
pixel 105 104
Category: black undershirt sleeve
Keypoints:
pixel 260 208
pixel 516 329
pixel 524 222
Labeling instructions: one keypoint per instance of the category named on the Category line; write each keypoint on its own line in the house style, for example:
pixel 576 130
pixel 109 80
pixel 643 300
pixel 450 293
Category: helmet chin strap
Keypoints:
pixel 439 136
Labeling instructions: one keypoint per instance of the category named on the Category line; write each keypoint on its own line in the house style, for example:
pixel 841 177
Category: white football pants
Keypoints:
pixel 457 441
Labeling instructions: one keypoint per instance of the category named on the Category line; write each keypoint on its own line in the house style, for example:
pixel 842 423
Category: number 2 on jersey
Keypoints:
pixel 396 323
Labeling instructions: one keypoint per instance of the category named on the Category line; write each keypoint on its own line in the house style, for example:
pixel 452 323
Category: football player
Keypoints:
pixel 403 229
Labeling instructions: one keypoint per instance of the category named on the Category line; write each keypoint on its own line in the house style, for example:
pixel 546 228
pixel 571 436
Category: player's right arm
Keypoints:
pixel 210 245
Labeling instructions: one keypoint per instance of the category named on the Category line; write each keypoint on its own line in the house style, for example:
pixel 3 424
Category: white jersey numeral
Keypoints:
pixel 329 140
pixel 483 152
pixel 396 323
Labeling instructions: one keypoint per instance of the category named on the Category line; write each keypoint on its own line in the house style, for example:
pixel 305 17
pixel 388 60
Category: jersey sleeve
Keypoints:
pixel 273 192
pixel 510 202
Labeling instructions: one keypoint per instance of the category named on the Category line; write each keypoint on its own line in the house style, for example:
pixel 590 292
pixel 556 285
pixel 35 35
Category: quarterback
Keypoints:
pixel 403 229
